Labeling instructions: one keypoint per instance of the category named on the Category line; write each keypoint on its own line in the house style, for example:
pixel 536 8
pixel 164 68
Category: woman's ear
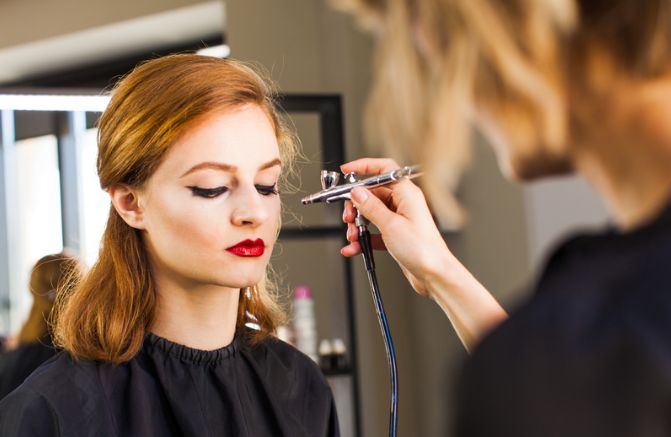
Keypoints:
pixel 126 201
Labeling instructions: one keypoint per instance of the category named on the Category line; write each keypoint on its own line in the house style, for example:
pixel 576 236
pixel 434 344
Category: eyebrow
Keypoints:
pixel 228 167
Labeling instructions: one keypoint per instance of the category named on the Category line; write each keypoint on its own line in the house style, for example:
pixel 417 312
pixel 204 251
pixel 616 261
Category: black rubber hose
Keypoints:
pixel 367 252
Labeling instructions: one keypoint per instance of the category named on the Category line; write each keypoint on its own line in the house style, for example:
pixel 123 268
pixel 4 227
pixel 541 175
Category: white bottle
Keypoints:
pixel 305 328
pixel 325 355
pixel 339 354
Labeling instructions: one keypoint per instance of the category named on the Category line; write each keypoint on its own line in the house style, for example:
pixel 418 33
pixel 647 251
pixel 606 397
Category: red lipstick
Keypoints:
pixel 246 248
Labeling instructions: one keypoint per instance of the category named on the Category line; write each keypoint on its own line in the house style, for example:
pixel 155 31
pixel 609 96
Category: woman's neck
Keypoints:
pixel 629 161
pixel 201 317
pixel 633 200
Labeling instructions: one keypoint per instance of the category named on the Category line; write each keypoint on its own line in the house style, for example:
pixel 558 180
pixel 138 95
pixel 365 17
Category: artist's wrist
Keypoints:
pixel 442 273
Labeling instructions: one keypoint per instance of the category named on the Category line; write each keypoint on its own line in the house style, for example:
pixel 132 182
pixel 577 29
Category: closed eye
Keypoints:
pixel 208 193
pixel 267 190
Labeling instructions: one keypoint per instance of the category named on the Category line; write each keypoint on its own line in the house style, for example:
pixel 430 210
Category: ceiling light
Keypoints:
pixel 220 51
pixel 53 102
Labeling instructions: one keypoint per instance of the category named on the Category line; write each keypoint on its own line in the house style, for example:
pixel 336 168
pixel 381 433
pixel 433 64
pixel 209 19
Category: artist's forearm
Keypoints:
pixel 472 309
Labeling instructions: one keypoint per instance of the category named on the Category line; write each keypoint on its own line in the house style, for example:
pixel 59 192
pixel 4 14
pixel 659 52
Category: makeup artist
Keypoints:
pixel 556 86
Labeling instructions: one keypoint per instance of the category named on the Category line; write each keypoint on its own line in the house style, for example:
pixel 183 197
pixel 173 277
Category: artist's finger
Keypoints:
pixel 352 233
pixel 385 194
pixel 406 192
pixel 354 248
pixel 370 166
pixel 375 239
pixel 351 249
pixel 349 213
pixel 373 208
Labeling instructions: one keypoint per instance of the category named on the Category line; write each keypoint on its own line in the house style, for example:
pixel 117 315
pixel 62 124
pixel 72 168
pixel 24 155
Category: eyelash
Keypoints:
pixel 211 193
pixel 267 190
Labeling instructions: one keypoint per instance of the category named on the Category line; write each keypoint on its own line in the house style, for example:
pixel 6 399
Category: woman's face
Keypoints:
pixel 211 210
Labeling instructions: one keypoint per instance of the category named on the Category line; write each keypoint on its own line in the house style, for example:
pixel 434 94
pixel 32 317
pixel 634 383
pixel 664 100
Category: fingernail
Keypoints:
pixel 359 195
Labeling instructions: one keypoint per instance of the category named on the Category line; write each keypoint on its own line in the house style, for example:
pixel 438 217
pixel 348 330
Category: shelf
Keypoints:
pixel 347 371
pixel 314 232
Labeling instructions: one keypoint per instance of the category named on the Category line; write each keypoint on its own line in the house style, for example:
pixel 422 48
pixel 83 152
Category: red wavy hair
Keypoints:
pixel 107 314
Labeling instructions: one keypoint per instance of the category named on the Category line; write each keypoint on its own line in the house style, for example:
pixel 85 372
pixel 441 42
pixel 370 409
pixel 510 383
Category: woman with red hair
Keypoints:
pixel 171 331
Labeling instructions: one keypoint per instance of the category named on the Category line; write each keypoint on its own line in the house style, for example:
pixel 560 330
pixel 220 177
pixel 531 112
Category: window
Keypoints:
pixel 39 215
pixel 95 201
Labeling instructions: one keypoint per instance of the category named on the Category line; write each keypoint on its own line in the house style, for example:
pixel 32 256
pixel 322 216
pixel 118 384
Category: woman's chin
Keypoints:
pixel 531 167
pixel 242 282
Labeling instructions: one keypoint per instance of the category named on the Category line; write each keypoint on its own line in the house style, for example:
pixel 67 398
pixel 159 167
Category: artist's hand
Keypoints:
pixel 407 228
pixel 410 235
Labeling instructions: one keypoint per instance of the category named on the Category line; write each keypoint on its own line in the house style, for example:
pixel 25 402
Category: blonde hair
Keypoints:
pixel 438 60
pixel 49 274
pixel 107 315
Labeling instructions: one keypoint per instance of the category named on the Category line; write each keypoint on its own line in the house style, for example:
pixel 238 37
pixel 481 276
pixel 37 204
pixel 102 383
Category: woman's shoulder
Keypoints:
pixel 565 332
pixel 27 412
pixel 17 364
pixel 61 374
pixel 296 382
pixel 277 355
pixel 275 349
pixel 57 391
pixel 61 382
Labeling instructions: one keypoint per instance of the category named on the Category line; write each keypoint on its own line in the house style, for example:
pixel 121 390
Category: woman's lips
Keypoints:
pixel 248 248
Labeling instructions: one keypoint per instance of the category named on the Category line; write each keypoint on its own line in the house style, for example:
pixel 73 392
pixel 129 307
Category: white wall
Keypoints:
pixel 26 21
pixel 42 37
pixel 557 207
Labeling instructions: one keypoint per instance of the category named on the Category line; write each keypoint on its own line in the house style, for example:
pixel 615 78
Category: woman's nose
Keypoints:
pixel 249 209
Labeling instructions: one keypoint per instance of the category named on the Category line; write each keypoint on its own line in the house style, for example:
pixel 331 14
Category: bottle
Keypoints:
pixel 305 328
pixel 339 354
pixel 325 355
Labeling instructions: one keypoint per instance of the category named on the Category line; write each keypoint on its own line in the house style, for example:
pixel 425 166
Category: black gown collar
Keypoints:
pixel 155 344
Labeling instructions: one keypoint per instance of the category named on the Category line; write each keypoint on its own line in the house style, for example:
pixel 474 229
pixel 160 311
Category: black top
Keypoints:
pixel 171 390
pixel 590 355
pixel 17 364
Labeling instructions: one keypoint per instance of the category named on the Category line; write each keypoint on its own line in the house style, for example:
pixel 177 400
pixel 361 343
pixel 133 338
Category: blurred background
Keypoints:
pixel 50 197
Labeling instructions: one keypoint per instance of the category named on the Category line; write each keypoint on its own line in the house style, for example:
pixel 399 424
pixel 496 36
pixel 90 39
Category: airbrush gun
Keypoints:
pixel 332 192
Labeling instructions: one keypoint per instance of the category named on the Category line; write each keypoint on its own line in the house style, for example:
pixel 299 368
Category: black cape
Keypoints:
pixel 17 364
pixel 590 355
pixel 168 389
